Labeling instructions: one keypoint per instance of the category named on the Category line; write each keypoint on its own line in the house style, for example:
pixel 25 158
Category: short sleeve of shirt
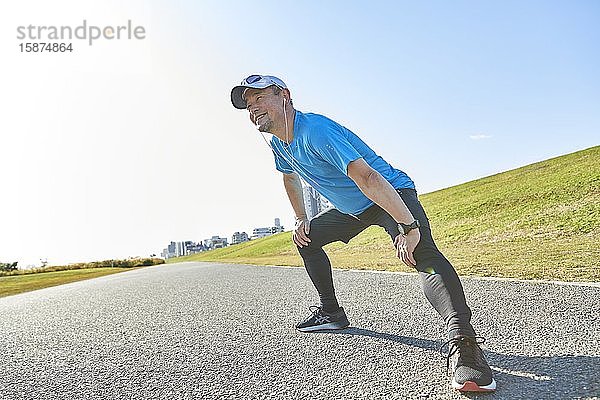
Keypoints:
pixel 281 164
pixel 333 146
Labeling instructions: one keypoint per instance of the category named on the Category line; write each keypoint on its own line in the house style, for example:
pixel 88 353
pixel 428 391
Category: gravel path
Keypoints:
pixel 207 331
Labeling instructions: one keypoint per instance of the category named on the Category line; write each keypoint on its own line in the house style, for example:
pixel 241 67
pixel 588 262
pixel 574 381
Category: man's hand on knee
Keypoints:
pixel 301 231
pixel 405 246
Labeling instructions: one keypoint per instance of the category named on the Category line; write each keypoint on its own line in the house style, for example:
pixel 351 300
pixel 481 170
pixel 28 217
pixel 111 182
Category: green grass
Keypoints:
pixel 541 221
pixel 128 263
pixel 10 285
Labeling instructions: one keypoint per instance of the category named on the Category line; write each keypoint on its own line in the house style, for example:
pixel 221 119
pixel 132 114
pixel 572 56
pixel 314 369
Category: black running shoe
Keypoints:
pixel 470 370
pixel 319 320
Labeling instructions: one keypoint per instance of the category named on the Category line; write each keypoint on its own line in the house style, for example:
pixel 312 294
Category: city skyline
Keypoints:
pixel 187 247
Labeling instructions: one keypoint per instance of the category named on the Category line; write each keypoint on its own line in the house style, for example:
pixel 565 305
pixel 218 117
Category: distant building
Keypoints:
pixel 239 237
pixel 178 249
pixel 170 251
pixel 215 242
pixel 258 233
pixel 314 203
pixel 278 227
pixel 193 248
pixel 325 204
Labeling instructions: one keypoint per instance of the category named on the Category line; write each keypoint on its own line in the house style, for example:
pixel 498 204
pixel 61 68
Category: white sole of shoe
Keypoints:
pixel 470 386
pixel 324 327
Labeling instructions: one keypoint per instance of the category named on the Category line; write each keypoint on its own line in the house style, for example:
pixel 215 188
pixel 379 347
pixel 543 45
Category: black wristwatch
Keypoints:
pixel 404 229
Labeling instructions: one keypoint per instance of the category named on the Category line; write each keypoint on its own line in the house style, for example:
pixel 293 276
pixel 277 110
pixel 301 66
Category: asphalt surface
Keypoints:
pixel 208 331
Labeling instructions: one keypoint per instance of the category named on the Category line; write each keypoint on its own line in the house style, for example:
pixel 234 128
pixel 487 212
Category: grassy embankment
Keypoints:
pixel 19 281
pixel 14 284
pixel 541 221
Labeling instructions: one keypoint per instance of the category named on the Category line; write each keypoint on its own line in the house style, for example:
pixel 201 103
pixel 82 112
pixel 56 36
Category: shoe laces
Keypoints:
pixel 318 313
pixel 467 348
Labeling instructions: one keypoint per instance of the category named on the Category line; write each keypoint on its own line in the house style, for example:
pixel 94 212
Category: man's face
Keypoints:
pixel 265 108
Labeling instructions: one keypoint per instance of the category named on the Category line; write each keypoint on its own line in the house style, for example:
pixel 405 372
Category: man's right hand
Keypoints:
pixel 300 235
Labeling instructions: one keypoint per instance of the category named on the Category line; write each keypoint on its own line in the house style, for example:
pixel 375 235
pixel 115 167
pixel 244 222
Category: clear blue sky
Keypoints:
pixel 418 79
pixel 123 146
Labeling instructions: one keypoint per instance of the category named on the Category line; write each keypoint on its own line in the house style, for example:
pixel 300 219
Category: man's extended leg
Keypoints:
pixel 444 291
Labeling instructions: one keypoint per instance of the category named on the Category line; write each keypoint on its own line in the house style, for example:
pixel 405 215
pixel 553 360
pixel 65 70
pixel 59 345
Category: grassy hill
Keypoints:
pixel 540 221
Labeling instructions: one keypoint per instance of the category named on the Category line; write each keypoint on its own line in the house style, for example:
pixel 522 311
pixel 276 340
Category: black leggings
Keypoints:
pixel 439 279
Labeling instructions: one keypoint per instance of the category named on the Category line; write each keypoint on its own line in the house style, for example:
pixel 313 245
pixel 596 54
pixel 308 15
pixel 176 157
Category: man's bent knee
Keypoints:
pixel 309 249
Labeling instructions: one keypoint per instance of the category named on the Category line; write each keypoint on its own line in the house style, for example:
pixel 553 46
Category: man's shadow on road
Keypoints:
pixel 519 376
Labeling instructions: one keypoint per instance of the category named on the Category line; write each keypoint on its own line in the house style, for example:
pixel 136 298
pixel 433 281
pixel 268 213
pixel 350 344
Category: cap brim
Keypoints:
pixel 236 97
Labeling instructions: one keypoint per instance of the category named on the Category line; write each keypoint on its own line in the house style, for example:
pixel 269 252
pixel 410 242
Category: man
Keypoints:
pixel 365 190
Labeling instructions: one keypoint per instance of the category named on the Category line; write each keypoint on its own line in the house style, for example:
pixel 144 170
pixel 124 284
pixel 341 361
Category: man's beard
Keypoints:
pixel 266 127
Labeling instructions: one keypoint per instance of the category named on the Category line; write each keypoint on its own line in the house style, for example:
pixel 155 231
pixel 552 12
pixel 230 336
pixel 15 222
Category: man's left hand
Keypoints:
pixel 405 246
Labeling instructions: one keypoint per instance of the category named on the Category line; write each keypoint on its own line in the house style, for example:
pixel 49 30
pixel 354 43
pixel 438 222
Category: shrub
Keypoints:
pixel 7 267
pixel 129 263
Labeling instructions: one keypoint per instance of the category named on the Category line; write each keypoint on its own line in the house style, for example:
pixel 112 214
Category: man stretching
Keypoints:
pixel 365 190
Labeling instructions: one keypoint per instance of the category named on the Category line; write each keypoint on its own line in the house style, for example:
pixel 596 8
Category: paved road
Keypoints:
pixel 206 331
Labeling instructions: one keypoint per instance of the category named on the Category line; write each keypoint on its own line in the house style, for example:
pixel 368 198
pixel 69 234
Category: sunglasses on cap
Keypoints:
pixel 255 80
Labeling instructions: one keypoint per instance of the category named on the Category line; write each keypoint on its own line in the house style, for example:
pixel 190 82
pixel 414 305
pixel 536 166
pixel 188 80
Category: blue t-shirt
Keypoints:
pixel 320 154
